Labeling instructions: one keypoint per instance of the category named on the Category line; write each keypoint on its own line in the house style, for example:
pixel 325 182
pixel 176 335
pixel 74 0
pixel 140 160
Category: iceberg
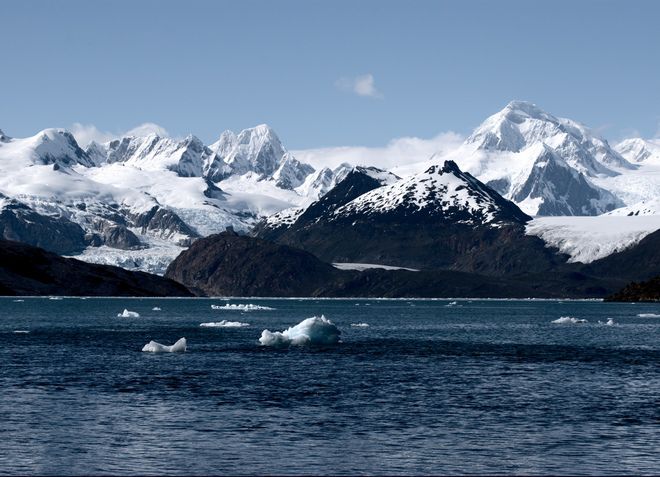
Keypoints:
pixel 21 332
pixel 155 308
pixel 360 325
pixel 316 331
pixel 18 301
pixel 565 320
pixel 649 315
pixel 609 322
pixel 241 307
pixel 224 324
pixel 154 347
pixel 128 314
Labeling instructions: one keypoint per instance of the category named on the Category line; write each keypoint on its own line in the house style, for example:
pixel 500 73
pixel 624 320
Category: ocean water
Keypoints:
pixel 476 387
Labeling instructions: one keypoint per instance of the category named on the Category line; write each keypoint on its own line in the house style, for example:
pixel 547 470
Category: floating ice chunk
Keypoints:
pixel 241 307
pixel 155 308
pixel 313 331
pixel 18 301
pixel 22 332
pixel 649 315
pixel 566 320
pixel 128 314
pixel 154 347
pixel 453 303
pixel 360 325
pixel 54 298
pixel 609 322
pixel 224 324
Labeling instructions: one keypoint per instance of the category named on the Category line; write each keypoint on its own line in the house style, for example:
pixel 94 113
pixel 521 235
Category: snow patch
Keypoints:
pixel 366 266
pixel 316 330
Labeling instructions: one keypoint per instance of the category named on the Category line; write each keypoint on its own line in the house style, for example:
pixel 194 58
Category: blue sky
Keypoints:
pixel 326 73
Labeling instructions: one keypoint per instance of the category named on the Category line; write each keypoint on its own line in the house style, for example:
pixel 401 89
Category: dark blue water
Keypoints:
pixel 486 387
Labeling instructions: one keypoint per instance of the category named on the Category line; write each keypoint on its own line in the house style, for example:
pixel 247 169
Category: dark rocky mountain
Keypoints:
pixel 20 223
pixel 633 292
pixel 227 264
pixel 28 270
pixel 442 218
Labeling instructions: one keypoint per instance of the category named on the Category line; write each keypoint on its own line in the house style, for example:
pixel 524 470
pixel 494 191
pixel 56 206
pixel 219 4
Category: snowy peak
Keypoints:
pixel 445 194
pixel 4 137
pixel 554 188
pixel 256 150
pixel 55 147
pixel 521 125
pixel 638 150
pixel 153 152
pixel 291 173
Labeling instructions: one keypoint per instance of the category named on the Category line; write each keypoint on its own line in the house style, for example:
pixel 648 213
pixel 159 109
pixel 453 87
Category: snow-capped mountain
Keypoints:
pixel 545 164
pixel 320 182
pixel 441 193
pixel 136 201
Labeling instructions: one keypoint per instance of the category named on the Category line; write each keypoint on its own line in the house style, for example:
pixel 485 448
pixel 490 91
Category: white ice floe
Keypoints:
pixel 155 308
pixel 18 301
pixel 360 325
pixel 649 315
pixel 241 307
pixel 224 324
pixel 609 322
pixel 22 332
pixel 154 347
pixel 564 320
pixel 128 314
pixel 453 303
pixel 312 331
pixel 54 298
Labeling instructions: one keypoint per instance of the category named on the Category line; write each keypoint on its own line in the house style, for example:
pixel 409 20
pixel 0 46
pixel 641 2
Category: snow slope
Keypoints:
pixel 587 239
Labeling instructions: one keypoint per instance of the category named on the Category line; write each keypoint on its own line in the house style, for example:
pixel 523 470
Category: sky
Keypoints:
pixel 325 74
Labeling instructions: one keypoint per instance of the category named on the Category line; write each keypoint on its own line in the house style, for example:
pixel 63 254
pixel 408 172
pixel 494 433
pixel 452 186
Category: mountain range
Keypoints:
pixel 138 202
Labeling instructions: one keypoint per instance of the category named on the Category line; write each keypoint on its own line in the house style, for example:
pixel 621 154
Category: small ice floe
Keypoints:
pixel 649 315
pixel 18 301
pixel 569 320
pixel 54 297
pixel 21 332
pixel 155 308
pixel 318 331
pixel 241 307
pixel 609 322
pixel 360 325
pixel 224 324
pixel 154 347
pixel 128 314
pixel 453 303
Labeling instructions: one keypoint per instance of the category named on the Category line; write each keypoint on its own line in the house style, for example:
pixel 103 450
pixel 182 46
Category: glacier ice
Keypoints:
pixel 128 314
pixel 318 331
pixel 154 347
pixel 224 324
pixel 569 320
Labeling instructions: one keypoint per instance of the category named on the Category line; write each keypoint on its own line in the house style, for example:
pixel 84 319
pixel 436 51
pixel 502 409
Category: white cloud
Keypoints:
pixel 361 85
pixel 86 133
pixel 398 152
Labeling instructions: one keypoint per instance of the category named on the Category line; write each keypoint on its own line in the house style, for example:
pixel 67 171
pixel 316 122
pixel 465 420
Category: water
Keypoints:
pixel 484 387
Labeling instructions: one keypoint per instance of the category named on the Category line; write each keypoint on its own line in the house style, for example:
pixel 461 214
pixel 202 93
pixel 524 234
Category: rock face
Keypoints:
pixel 28 270
pixel 639 262
pixel 20 223
pixel 644 291
pixel 227 264
pixel 230 265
